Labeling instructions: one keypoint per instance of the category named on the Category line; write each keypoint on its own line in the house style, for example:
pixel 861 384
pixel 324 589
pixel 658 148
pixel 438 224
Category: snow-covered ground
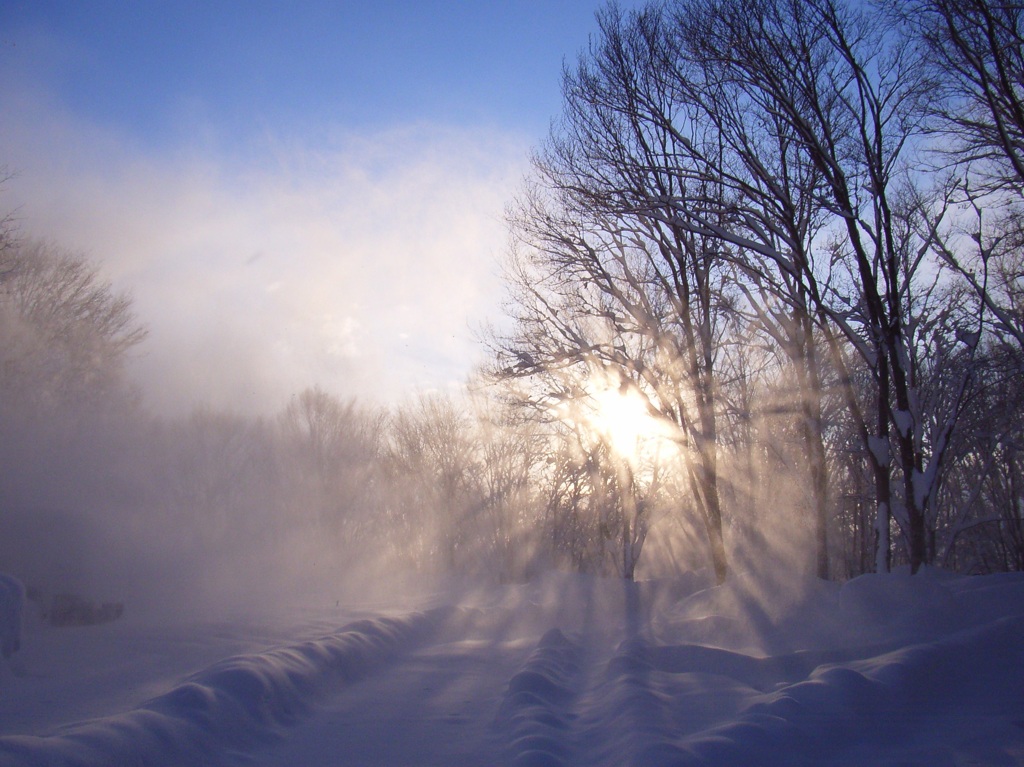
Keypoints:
pixel 883 670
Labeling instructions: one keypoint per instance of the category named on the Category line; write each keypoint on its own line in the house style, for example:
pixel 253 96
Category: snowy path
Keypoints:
pixel 434 706
pixel 567 671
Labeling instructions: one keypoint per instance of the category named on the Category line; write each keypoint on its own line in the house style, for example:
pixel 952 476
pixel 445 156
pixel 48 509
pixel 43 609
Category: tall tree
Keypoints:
pixel 837 96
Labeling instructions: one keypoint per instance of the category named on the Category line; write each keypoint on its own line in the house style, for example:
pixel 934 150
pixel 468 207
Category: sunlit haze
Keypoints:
pixel 300 196
pixel 620 417
pixel 535 383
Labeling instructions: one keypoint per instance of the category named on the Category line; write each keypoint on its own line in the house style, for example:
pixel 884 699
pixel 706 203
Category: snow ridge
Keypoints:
pixel 886 704
pixel 630 712
pixel 229 707
pixel 536 709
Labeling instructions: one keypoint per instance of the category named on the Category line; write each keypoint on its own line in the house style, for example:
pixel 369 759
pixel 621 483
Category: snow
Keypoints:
pixel 924 483
pixel 879 447
pixel 904 421
pixel 566 670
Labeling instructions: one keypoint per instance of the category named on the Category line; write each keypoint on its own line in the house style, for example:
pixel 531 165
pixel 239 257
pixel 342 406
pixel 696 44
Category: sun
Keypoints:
pixel 621 417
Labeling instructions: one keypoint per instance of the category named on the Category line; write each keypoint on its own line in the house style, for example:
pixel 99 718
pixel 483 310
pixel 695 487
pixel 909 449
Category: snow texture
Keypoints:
pixel 240 702
pixel 567 670
pixel 12 609
pixel 535 711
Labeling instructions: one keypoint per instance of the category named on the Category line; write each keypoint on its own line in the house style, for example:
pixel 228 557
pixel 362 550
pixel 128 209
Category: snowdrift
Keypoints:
pixel 232 706
pixel 923 670
pixel 884 670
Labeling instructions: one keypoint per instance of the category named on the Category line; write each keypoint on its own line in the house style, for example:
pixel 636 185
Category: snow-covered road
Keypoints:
pixel 564 671
pixel 433 706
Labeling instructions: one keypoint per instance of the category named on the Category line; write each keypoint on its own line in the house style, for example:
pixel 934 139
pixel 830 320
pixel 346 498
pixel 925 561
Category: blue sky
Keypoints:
pixel 154 68
pixel 295 193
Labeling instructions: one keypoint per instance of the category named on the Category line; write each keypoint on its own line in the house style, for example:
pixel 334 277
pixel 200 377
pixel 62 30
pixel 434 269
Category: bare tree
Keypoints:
pixel 332 452
pixel 638 298
pixel 512 455
pixel 8 226
pixel 975 46
pixel 65 332
pixel 823 105
pixel 430 465
pixel 776 147
pixel 592 307
pixel 976 54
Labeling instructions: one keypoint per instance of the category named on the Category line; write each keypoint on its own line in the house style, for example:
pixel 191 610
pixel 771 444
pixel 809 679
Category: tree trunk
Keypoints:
pixel 880 463
pixel 809 376
pixel 719 560
pixel 713 523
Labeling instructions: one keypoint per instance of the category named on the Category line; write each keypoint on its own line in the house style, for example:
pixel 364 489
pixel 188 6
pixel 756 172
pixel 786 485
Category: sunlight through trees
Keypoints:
pixel 765 299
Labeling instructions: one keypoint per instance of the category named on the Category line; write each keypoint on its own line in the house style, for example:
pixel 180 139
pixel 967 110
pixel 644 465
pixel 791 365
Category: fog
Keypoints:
pixel 688 436
pixel 310 412
pixel 362 266
pixel 182 473
pixel 360 261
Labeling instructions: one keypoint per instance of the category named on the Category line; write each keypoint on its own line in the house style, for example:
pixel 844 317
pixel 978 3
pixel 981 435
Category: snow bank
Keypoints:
pixel 894 708
pixel 231 706
pixel 922 670
pixel 12 609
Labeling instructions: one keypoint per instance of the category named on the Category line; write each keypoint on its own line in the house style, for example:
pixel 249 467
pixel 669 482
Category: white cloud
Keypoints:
pixel 355 262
